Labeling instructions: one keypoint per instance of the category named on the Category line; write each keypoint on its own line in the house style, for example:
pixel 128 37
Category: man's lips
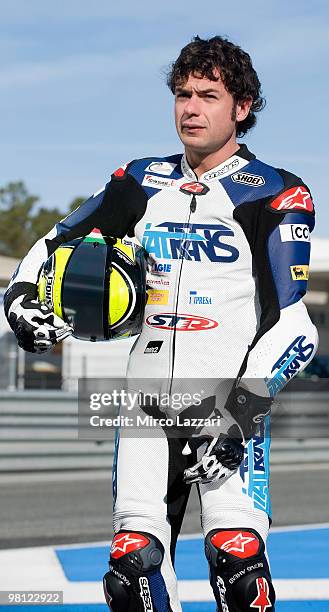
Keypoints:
pixel 191 127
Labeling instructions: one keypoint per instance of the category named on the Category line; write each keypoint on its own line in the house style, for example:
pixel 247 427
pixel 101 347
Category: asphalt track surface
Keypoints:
pixel 61 508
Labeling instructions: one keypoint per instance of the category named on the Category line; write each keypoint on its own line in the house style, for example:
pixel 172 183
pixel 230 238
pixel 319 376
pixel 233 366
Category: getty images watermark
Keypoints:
pixel 186 407
pixel 146 407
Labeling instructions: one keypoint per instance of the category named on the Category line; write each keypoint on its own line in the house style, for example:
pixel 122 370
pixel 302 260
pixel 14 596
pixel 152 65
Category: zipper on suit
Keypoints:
pixel 181 259
pixel 193 204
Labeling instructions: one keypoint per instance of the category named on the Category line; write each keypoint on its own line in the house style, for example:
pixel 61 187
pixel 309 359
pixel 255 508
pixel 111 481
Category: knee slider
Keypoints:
pixel 134 557
pixel 240 575
pixel 116 592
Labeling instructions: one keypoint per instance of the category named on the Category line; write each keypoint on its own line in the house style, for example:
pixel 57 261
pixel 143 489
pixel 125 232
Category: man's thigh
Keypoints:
pixel 244 499
pixel 149 492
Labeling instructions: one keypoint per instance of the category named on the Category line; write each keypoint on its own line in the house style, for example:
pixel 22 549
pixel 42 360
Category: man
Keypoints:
pixel 227 238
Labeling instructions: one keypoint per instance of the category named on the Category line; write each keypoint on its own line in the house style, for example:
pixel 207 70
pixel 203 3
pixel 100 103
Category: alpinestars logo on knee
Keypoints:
pixel 262 601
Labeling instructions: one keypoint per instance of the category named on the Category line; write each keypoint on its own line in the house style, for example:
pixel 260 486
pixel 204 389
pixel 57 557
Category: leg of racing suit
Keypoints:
pixel 134 582
pixel 239 571
pixel 235 520
pixel 150 498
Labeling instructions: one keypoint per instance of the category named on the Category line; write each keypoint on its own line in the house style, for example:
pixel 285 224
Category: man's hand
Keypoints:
pixel 36 328
pixel 221 459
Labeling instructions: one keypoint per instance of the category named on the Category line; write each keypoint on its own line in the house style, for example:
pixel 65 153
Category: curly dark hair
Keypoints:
pixel 202 57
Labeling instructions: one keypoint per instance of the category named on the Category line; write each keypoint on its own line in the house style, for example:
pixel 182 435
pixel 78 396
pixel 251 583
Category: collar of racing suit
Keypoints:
pixel 232 164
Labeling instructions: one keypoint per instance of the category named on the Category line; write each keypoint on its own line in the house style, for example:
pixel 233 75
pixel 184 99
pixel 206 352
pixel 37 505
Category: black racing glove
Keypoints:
pixel 221 459
pixel 222 455
pixel 35 326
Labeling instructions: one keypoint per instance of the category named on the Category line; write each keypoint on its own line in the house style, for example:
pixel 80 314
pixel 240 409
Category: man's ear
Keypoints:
pixel 243 108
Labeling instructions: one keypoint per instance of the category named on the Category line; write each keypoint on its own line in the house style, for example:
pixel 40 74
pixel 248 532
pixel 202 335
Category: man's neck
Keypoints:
pixel 201 162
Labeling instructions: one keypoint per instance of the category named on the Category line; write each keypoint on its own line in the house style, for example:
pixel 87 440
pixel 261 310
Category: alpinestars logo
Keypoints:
pixel 222 594
pixel 241 544
pixel 294 200
pixel 124 543
pixel 237 544
pixel 145 594
pixel 262 601
pixel 195 188
pixel 193 241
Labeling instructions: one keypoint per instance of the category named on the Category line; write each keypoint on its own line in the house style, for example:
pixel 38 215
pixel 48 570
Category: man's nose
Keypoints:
pixel 192 106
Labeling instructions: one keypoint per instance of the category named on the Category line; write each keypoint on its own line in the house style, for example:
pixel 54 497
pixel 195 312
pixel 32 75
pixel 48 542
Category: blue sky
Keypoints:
pixel 82 87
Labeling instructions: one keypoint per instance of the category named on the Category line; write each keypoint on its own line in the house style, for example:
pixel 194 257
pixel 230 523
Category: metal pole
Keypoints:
pixel 12 366
pixel 20 369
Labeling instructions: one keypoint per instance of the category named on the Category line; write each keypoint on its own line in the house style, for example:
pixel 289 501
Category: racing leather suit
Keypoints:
pixel 228 266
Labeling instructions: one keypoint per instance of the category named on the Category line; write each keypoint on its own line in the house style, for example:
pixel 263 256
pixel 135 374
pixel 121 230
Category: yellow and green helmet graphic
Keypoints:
pixel 97 285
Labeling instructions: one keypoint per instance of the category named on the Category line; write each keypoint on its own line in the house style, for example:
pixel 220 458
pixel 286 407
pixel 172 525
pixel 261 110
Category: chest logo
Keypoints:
pixel 159 167
pixel 191 241
pixel 158 182
pixel 195 188
pixel 248 179
pixel 180 322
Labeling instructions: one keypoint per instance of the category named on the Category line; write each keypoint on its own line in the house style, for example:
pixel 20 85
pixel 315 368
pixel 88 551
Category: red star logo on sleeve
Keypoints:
pixel 262 601
pixel 294 200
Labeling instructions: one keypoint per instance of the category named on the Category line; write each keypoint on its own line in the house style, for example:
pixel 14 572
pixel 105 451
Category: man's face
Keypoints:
pixel 205 114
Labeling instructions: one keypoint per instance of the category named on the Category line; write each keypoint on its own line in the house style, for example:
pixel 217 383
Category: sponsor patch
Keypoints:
pixel 254 469
pixel 159 282
pixel 293 231
pixel 294 199
pixel 153 346
pixel 191 241
pixel 201 298
pixel 158 297
pixel 180 322
pixel 254 180
pixel 195 188
pixel 157 182
pixel 225 169
pixel 119 575
pixel 262 601
pixel 161 268
pixel 222 594
pixel 290 362
pixel 159 167
pixel 299 272
pixel 242 544
pixel 124 543
pixel 145 594
pixel 49 291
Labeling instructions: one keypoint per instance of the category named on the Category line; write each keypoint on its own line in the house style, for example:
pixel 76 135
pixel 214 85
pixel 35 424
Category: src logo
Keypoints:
pixel 173 240
pixel 180 322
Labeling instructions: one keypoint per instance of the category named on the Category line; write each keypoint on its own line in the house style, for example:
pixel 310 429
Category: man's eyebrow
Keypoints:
pixel 198 91
pixel 209 90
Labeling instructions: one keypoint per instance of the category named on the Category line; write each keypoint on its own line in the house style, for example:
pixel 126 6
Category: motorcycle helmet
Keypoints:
pixel 97 285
